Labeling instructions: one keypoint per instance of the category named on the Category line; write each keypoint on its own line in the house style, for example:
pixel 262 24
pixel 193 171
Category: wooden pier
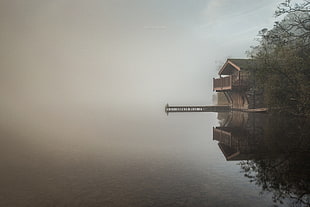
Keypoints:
pixel 220 108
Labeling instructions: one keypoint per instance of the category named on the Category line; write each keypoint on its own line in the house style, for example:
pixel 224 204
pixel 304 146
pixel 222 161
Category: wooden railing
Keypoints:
pixel 224 83
pixel 227 83
pixel 216 108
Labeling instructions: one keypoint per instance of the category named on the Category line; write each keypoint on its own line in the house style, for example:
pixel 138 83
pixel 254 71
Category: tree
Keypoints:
pixel 299 26
pixel 283 57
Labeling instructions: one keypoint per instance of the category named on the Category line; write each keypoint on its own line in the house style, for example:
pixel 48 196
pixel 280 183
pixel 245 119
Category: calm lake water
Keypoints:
pixel 146 158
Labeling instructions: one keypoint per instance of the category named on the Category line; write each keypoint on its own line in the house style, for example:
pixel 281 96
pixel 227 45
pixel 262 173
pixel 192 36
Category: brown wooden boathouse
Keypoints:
pixel 237 83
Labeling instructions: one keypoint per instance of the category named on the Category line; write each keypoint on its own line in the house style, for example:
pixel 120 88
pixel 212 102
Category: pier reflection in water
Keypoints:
pixel 273 151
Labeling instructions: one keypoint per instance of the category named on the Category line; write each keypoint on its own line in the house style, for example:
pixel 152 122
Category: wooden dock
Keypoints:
pixel 220 108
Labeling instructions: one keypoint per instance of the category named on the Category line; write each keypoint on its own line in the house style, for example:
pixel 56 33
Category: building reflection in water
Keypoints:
pixel 273 152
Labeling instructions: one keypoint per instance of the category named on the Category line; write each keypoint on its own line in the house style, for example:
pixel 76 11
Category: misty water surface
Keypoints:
pixel 93 157
pixel 83 85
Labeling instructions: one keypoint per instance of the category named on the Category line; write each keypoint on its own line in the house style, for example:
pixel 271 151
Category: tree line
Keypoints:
pixel 283 57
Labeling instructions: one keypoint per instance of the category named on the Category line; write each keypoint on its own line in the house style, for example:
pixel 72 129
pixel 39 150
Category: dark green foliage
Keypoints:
pixel 283 57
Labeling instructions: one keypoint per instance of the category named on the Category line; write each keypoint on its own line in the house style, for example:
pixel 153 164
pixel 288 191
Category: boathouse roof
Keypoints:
pixel 236 64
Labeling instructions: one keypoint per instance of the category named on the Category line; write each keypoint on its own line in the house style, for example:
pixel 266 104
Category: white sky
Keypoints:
pixel 136 53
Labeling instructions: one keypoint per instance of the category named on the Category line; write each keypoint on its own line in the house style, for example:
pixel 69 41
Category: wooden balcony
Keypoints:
pixel 221 84
pixel 230 82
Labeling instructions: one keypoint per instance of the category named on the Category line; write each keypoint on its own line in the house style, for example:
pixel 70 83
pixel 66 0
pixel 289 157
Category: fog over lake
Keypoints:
pixel 111 53
pixel 83 86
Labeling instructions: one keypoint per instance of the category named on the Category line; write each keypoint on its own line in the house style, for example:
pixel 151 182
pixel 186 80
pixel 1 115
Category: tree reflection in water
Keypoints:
pixel 273 151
